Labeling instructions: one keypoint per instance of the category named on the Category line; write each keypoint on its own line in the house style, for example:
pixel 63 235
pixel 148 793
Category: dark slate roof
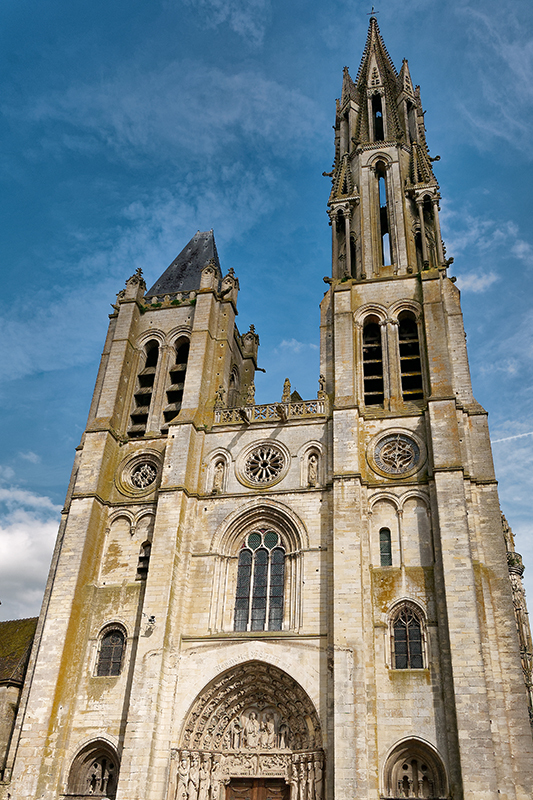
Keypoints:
pixel 16 638
pixel 184 272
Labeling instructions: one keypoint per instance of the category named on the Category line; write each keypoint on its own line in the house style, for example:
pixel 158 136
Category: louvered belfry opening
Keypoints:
pixel 177 374
pixel 372 363
pixel 143 393
pixel 410 363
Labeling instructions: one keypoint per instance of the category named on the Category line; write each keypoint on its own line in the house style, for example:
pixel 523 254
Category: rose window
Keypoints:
pixel 397 454
pixel 143 475
pixel 264 464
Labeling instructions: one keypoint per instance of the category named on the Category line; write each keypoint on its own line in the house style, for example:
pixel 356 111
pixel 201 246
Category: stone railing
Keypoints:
pixel 270 412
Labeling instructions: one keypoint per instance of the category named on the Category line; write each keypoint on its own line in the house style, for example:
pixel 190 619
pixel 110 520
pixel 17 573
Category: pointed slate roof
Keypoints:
pixel 16 638
pixel 185 271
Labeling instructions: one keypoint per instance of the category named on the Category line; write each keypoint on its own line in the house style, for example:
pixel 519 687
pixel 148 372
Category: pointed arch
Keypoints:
pixel 94 771
pixel 414 768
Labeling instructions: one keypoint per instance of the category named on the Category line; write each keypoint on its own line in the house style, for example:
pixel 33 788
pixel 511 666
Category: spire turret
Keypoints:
pixel 384 200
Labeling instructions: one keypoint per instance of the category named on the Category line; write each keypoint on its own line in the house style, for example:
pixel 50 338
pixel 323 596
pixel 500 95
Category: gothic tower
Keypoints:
pixel 302 600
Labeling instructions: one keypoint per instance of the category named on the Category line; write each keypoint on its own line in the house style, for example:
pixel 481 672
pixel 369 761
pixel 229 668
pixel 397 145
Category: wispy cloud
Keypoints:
pixel 182 107
pixel 508 438
pixel 30 456
pixel 247 18
pixel 476 282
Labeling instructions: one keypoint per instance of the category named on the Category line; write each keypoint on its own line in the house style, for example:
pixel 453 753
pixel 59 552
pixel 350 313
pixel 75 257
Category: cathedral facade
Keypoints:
pixel 307 599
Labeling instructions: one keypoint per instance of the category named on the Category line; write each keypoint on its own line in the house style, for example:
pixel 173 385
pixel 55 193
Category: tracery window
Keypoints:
pixel 94 772
pixel 260 582
pixel 111 654
pixel 414 770
pixel 407 643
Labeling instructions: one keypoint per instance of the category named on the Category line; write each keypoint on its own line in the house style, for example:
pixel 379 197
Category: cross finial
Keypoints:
pixel 372 13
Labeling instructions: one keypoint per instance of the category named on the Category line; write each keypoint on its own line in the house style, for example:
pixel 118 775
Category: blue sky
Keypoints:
pixel 128 126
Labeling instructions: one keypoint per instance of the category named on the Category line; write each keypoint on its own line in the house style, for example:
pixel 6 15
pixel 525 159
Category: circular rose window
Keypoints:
pixel 139 474
pixel 396 453
pixel 143 475
pixel 262 464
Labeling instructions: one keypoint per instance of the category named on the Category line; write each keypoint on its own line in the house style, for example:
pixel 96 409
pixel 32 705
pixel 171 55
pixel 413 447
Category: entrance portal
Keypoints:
pixel 257 789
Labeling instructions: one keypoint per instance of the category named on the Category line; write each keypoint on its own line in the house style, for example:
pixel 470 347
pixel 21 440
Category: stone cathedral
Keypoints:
pixel 304 600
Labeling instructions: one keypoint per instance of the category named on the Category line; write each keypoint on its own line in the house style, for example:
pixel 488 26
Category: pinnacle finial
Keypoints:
pixel 372 13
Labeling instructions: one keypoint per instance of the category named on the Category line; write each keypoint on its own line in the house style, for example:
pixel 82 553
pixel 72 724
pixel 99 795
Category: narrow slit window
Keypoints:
pixel 144 561
pixel 410 363
pixel 372 364
pixel 384 228
pixel 407 640
pixel 177 375
pixel 111 653
pixel 377 118
pixel 143 392
pixel 260 583
pixel 385 548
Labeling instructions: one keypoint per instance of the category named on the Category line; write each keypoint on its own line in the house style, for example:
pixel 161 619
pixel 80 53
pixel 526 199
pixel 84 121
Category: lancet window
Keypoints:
pixel 384 227
pixel 144 561
pixel 94 772
pixel 385 547
pixel 143 392
pixel 372 362
pixel 260 582
pixel 407 642
pixel 177 382
pixel 410 364
pixel 377 118
pixel 111 654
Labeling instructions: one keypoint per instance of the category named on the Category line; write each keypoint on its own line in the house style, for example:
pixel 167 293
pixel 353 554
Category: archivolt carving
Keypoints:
pixel 255 707
pixel 252 721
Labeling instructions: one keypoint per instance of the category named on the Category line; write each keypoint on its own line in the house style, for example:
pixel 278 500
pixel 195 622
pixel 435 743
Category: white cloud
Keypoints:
pixel 28 528
pixel 33 458
pixel 248 18
pixel 294 346
pixel 476 282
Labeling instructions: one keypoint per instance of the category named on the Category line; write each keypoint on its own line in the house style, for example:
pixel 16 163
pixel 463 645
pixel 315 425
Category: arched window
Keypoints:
pixel 234 388
pixel 407 643
pixel 144 561
pixel 384 227
pixel 413 769
pixel 385 547
pixel 177 382
pixel 260 583
pixel 372 362
pixel 410 364
pixel 111 655
pixel 94 772
pixel 377 118
pixel 143 392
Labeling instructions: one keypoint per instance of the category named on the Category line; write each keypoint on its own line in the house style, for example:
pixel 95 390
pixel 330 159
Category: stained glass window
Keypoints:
pixel 407 640
pixel 111 653
pixel 260 582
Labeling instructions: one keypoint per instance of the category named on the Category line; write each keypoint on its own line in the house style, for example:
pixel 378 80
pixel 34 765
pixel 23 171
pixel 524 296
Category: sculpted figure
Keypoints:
pixel 217 776
pixel 310 781
pixel 183 778
pixel 302 782
pixel 205 779
pixel 319 776
pixel 321 386
pixel 250 395
pixel 219 397
pixel 312 470
pixel 218 477
pixel 284 735
pixel 252 731
pixel 270 726
pixel 294 781
pixel 93 781
pixel 263 736
pixel 236 733
pixel 194 778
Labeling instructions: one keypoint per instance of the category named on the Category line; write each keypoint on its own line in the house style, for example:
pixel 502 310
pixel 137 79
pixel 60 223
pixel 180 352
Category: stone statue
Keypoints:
pixel 302 782
pixel 310 781
pixel 194 778
pixel 236 734
pixel 205 778
pixel 250 395
pixel 218 477
pixel 251 731
pixel 217 776
pixel 286 396
pixel 284 736
pixel 183 778
pixel 270 727
pixel 294 781
pixel 321 387
pixel 312 470
pixel 263 736
pixel 219 397
pixel 319 776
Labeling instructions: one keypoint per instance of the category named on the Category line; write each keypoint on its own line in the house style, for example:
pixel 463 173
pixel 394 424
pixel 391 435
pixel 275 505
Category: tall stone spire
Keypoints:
pixel 384 200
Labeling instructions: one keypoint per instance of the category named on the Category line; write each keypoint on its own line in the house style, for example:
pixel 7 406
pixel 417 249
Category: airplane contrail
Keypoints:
pixel 508 438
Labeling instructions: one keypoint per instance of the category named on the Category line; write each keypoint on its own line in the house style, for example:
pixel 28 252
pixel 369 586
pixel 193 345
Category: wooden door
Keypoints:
pixel 257 789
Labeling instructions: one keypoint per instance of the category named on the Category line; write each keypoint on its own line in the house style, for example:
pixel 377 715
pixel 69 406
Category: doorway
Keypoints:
pixel 257 789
